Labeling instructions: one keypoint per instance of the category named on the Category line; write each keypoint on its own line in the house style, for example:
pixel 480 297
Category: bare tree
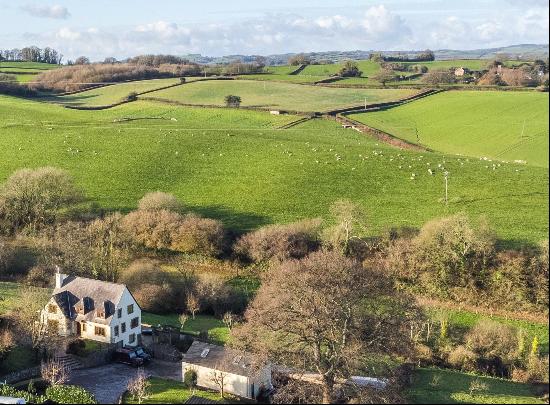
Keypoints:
pixel 319 312
pixel 55 372
pixel 30 327
pixel 139 386
pixel 193 304
pixel 351 223
pixel 183 318
pixel 229 320
pixel 219 378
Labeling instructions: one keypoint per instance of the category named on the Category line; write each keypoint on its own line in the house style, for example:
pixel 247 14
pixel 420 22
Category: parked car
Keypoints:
pixel 128 356
pixel 143 354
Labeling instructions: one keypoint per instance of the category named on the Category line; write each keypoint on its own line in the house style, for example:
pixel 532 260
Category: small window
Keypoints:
pixel 99 331
pixel 134 324
pixel 83 326
pixel 53 325
pixel 123 327
pixel 116 330
pixel 52 309
pixel 130 309
pixel 119 313
pixel 132 338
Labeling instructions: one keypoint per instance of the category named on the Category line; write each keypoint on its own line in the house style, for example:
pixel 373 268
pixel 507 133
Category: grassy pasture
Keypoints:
pixel 28 65
pixel 369 68
pixel 436 386
pixel 233 165
pixel 284 96
pixel 112 94
pixel 298 79
pixel 499 125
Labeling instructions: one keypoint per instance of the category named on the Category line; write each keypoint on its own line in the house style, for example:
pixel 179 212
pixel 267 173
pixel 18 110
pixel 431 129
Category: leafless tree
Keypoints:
pixel 351 223
pixel 139 386
pixel 55 372
pixel 229 320
pixel 319 312
pixel 193 304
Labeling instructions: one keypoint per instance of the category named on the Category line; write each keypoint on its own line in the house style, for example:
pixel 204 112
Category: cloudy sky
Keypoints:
pixel 122 28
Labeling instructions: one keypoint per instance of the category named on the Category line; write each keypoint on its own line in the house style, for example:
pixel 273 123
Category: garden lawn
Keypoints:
pixel 174 392
pixel 436 386
pixel 272 95
pixel 217 331
pixel 235 166
pixel 504 126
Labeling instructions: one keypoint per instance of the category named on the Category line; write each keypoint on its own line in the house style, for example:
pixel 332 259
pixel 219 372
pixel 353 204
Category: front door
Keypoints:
pixel 78 329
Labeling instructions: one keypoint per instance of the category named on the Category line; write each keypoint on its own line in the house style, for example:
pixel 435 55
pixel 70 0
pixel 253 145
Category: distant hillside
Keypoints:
pixel 523 51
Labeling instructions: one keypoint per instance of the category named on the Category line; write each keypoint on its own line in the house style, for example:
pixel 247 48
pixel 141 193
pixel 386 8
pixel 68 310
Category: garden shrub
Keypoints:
pixel 292 241
pixel 69 394
pixel 463 359
pixel 159 201
pixel 190 379
pixel 199 235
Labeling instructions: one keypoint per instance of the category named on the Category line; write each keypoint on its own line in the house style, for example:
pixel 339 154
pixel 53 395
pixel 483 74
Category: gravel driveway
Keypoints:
pixel 108 383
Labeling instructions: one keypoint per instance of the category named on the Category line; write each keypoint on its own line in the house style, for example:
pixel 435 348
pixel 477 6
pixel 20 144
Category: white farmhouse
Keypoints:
pixel 93 309
pixel 215 364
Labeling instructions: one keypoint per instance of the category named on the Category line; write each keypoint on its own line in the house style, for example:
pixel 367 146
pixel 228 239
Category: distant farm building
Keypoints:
pixel 461 72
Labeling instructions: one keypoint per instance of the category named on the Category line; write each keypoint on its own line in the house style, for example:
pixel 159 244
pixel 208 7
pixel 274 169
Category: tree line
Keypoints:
pixel 31 54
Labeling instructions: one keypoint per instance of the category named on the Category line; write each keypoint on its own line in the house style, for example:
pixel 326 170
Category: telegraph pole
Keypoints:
pixel 446 187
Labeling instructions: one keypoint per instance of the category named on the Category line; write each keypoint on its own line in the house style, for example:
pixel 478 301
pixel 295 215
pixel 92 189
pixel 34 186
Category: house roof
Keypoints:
pixel 220 358
pixel 198 401
pixel 94 296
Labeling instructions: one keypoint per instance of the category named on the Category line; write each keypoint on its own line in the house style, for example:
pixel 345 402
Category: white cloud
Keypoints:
pixel 54 11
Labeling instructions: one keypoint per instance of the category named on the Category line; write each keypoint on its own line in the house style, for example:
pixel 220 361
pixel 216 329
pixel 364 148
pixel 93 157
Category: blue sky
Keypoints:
pixel 121 28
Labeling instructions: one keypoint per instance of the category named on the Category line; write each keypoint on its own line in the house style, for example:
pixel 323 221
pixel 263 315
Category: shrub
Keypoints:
pixel 75 346
pixel 190 379
pixel 233 101
pixel 9 391
pixel 40 276
pixel 152 229
pixel 69 394
pixel 537 369
pixel 7 342
pixel 199 235
pixel 439 77
pixel 492 339
pixel 463 359
pixel 350 69
pixel 133 96
pixel 34 197
pixel 159 201
pixel 155 298
pixel 292 241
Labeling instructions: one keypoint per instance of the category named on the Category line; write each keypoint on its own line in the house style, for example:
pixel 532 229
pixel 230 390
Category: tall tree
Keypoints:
pixel 318 313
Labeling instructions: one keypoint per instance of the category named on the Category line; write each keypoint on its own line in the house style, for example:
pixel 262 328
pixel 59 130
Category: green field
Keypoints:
pixel 369 68
pixel 504 126
pixel 112 94
pixel 270 95
pixel 436 386
pixel 232 165
pixel 27 65
pixel 462 321
pixel 472 64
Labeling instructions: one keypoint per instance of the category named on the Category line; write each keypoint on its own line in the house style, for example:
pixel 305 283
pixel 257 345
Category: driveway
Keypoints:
pixel 108 383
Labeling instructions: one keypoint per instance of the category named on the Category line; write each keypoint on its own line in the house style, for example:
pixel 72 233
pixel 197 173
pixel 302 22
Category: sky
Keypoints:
pixel 123 28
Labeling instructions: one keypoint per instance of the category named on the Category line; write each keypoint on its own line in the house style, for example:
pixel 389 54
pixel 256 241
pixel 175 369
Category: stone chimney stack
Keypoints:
pixel 59 277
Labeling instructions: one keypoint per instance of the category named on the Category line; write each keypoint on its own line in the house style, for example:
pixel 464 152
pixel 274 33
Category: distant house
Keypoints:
pixel 92 309
pixel 240 377
pixel 461 72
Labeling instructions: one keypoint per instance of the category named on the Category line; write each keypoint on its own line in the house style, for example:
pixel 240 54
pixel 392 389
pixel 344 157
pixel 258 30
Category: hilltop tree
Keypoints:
pixel 233 101
pixel 318 313
pixel 82 60
pixel 299 59
pixel 350 69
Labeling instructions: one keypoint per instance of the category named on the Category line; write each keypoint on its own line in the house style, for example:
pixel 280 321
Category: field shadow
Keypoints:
pixel 236 221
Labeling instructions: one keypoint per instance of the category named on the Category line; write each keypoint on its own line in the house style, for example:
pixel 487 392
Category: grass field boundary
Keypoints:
pixel 299 70
pixel 297 122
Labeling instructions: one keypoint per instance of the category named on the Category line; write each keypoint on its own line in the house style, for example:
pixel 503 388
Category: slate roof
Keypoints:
pixel 200 401
pixel 219 358
pixel 95 297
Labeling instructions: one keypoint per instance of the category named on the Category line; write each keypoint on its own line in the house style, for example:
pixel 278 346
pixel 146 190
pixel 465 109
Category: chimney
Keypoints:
pixel 59 277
